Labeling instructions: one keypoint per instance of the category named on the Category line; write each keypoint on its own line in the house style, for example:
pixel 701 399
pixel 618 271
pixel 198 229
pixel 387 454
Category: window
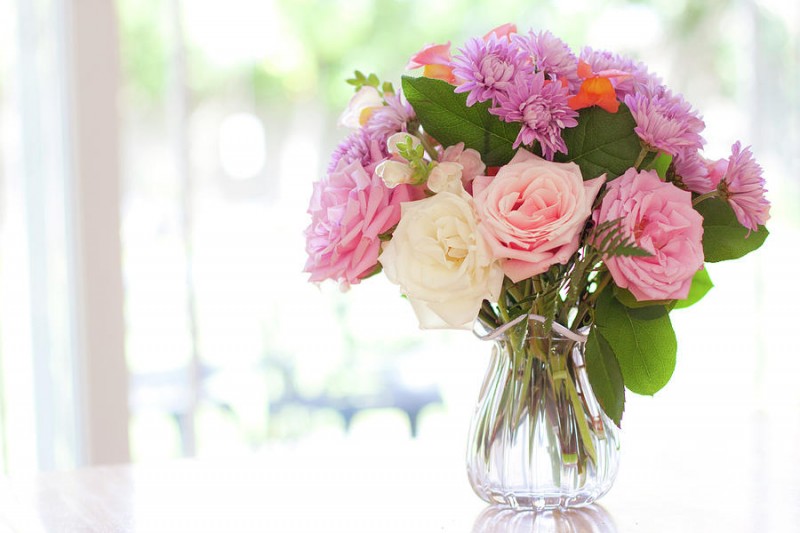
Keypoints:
pixel 156 162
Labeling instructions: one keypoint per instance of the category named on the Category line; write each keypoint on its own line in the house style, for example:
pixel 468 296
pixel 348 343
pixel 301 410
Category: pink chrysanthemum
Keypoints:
pixel 743 187
pixel 349 209
pixel 541 106
pixel 666 121
pixel 551 55
pixel 486 69
pixel 692 171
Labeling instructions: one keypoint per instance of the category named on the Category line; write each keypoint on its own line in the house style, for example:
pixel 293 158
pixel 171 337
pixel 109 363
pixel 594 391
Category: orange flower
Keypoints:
pixel 435 58
pixel 439 72
pixel 596 89
pixel 504 30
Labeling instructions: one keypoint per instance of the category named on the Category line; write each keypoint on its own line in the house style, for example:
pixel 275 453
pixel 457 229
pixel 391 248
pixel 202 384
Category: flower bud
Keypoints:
pixel 401 137
pixel 358 111
pixel 394 173
pixel 445 177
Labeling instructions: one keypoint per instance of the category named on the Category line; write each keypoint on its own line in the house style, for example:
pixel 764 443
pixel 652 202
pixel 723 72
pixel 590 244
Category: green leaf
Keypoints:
pixel 610 239
pixel 723 237
pixel 605 376
pixel 626 298
pixel 701 284
pixel 642 339
pixel 602 142
pixel 445 116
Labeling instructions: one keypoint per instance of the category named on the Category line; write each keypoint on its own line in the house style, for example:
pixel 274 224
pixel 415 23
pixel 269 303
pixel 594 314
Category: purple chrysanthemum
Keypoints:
pixel 389 119
pixel 691 170
pixel 551 55
pixel 541 106
pixel 486 69
pixel 666 121
pixel 601 60
pixel 357 146
pixel 743 187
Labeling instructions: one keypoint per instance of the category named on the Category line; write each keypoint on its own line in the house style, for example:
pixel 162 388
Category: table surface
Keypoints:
pixel 358 487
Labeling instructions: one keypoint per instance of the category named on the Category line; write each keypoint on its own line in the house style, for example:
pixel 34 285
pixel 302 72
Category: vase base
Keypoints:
pixel 541 502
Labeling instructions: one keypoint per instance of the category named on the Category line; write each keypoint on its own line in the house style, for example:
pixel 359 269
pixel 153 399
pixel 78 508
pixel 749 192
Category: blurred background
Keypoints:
pixel 156 162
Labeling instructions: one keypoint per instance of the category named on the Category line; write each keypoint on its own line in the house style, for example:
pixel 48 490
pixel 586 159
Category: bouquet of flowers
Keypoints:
pixel 516 179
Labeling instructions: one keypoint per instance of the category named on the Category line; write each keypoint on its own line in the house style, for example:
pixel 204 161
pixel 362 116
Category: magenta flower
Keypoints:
pixel 551 55
pixel 665 121
pixel 743 187
pixel 349 209
pixel 541 106
pixel 660 218
pixel 486 69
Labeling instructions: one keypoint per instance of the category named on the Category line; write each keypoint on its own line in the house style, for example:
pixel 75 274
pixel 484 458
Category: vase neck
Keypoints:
pixel 560 329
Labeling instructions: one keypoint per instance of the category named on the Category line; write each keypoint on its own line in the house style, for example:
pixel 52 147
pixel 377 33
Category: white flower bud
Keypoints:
pixel 360 107
pixel 401 137
pixel 446 177
pixel 394 173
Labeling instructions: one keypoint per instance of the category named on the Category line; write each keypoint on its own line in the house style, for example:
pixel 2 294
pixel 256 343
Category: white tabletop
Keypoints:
pixel 359 487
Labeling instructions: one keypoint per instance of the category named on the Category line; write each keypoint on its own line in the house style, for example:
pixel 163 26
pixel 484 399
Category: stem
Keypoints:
pixel 706 196
pixel 605 277
pixel 642 154
pixel 429 148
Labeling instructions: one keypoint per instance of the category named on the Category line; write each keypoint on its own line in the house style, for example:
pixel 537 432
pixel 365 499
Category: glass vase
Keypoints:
pixel 539 439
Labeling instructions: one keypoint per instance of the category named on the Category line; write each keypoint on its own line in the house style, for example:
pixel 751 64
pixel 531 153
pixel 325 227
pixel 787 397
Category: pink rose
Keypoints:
pixel 349 209
pixel 660 218
pixel 533 211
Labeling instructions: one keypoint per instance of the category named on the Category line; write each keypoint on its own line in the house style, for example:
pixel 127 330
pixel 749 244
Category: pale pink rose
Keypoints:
pixel 660 219
pixel 470 160
pixel 349 209
pixel 533 211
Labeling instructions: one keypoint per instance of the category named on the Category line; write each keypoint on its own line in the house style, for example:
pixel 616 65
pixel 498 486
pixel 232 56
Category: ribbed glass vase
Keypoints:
pixel 538 438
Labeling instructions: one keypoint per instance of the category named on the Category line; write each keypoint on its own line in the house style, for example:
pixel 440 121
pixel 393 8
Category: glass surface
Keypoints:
pixel 538 438
pixel 589 519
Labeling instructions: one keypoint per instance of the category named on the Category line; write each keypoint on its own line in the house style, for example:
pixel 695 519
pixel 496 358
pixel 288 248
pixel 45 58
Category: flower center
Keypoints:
pixel 536 115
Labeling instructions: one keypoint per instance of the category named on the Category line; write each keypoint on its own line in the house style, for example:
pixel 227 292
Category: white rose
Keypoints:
pixel 440 261
pixel 360 107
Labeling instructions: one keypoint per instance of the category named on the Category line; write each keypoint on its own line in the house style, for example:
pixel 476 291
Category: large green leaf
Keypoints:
pixel 701 284
pixel 723 237
pixel 445 116
pixel 602 142
pixel 605 376
pixel 642 339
